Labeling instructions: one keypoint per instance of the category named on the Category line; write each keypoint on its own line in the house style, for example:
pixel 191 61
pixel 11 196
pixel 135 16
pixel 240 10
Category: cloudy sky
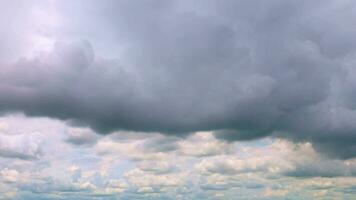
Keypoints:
pixel 186 100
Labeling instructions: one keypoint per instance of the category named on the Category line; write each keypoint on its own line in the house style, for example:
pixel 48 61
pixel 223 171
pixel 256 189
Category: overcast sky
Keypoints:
pixel 157 99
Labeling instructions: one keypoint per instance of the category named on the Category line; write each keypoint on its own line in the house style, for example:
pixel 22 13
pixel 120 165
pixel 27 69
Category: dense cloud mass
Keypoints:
pixel 246 69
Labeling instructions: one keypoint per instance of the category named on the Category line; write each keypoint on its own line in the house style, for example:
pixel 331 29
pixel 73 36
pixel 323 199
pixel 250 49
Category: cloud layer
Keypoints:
pixel 245 69
pixel 127 165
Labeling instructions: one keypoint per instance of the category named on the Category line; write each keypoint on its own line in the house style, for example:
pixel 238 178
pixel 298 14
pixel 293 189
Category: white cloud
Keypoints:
pixel 9 175
pixel 156 166
pixel 203 144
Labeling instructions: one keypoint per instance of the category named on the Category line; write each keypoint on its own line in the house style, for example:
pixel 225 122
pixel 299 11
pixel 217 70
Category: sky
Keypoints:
pixel 187 100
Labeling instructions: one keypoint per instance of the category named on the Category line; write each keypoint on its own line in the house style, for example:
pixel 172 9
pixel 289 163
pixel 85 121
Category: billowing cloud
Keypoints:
pixel 279 158
pixel 24 146
pixel 246 69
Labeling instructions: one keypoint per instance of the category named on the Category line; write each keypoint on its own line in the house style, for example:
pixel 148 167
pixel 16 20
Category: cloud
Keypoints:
pixel 84 137
pixel 279 158
pixel 159 147
pixel 251 69
pixel 7 153
pixel 9 175
pixel 141 179
pixel 203 144
pixel 132 165
pixel 128 165
pixel 24 147
pixel 156 167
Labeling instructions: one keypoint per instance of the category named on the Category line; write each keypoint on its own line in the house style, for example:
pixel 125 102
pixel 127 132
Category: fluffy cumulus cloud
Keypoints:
pixel 124 165
pixel 245 69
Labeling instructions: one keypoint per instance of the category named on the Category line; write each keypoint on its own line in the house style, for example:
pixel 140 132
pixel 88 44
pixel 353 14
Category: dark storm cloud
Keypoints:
pixel 250 68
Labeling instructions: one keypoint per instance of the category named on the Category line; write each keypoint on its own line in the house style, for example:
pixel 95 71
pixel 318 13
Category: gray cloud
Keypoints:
pixel 250 68
pixel 161 144
pixel 8 153
pixel 81 137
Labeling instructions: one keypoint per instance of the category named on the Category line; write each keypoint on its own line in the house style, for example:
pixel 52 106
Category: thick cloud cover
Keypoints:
pixel 247 69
